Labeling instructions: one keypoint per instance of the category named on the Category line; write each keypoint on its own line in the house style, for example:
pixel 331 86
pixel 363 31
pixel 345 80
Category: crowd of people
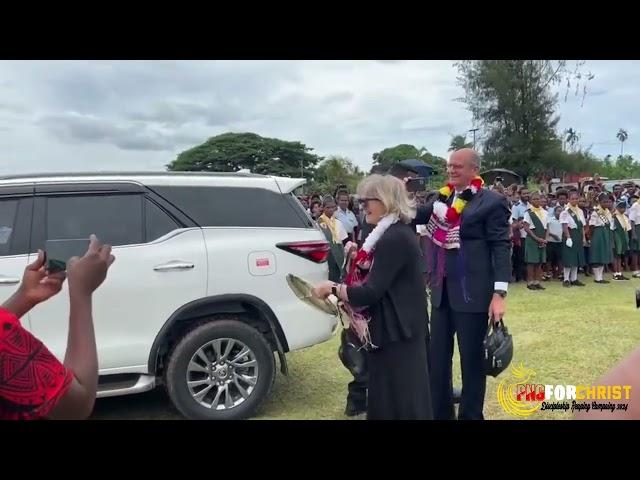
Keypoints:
pixel 394 250
pixel 505 235
pixel 388 248
pixel 557 235
pixel 554 235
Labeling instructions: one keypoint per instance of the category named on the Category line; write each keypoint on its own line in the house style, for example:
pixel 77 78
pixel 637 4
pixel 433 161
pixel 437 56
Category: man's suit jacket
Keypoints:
pixel 484 257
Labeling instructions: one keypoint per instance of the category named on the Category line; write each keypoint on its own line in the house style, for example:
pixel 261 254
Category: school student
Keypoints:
pixel 601 251
pixel 634 244
pixel 573 221
pixel 554 244
pixel 621 228
pixel 535 242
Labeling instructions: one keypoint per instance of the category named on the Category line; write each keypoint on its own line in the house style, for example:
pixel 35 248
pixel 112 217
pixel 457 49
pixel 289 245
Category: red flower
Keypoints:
pixel 452 215
pixel 361 256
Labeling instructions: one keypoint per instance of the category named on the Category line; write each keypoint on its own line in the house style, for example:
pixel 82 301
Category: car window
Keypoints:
pixel 115 219
pixel 157 222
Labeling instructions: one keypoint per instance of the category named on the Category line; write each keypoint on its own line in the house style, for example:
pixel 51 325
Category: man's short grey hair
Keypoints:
pixel 475 160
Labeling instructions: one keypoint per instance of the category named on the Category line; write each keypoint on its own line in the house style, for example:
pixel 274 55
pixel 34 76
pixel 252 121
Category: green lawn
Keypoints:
pixel 568 336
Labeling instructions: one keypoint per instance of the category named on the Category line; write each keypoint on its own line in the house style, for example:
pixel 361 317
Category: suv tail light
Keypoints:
pixel 316 251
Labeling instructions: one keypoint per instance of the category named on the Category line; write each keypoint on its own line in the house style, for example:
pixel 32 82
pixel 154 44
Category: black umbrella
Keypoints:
pixel 417 166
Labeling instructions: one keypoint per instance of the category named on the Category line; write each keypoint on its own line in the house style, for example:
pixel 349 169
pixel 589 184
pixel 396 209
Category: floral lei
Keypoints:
pixel 357 275
pixel 453 213
pixel 443 233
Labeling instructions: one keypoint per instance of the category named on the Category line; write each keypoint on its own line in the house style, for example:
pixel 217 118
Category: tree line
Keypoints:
pixel 513 104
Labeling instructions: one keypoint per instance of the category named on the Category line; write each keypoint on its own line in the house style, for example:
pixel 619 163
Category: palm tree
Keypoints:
pixel 622 135
pixel 571 137
pixel 458 142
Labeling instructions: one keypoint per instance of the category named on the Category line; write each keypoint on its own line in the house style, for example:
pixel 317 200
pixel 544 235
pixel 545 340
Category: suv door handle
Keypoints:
pixel 174 266
pixel 9 281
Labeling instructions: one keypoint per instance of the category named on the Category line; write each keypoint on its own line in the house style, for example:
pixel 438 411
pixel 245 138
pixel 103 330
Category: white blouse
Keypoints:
pixel 634 213
pixel 566 218
pixel 544 220
pixel 596 220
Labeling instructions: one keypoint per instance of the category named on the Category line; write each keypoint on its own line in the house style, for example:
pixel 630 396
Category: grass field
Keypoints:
pixel 568 336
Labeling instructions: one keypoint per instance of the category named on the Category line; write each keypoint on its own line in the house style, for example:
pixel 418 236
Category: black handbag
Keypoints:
pixel 498 349
pixel 352 354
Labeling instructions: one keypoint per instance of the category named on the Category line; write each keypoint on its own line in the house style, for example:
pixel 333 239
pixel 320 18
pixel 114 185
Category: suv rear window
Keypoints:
pixel 236 207
pixel 115 219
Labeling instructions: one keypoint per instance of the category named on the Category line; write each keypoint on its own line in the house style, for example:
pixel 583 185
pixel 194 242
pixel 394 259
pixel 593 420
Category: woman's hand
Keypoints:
pixel 323 289
pixel 350 250
pixel 86 274
pixel 36 287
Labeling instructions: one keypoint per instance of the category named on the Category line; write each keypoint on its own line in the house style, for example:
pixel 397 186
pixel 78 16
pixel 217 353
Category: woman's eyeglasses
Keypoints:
pixel 365 200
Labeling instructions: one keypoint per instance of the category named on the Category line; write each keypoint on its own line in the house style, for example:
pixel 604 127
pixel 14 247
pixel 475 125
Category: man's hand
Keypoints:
pixel 86 274
pixel 36 287
pixel 497 308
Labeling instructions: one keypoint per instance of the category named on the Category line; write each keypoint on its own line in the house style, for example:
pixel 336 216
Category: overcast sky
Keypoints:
pixel 138 115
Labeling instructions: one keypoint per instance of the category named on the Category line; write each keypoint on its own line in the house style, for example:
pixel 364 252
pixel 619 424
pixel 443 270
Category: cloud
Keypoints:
pixel 14 108
pixel 141 114
pixel 73 127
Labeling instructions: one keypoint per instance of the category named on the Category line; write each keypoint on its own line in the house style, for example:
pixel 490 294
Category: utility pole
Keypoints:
pixel 474 130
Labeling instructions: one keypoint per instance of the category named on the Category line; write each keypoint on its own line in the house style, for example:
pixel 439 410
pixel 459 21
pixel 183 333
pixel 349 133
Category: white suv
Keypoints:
pixel 197 299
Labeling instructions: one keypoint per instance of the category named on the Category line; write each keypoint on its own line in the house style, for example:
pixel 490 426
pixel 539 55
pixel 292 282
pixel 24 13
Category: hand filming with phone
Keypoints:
pixel 70 395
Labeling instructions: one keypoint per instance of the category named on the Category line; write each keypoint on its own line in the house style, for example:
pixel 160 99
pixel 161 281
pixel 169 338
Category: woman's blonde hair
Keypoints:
pixel 391 192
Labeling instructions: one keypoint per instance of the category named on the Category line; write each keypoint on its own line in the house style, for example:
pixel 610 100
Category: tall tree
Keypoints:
pixel 622 136
pixel 389 156
pixel 458 142
pixel 333 171
pixel 513 104
pixel 231 152
pixel 571 138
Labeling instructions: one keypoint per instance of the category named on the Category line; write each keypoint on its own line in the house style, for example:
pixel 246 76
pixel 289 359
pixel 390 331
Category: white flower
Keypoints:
pixel 440 209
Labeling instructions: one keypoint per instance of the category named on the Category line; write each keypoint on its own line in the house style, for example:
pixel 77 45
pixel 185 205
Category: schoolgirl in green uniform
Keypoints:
pixel 573 222
pixel 621 228
pixel 601 251
pixel 535 243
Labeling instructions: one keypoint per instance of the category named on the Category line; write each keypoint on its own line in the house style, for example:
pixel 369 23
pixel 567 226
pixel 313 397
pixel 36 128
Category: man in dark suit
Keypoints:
pixel 471 286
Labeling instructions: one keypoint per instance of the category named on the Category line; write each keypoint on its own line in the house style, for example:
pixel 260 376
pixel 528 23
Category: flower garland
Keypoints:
pixel 357 275
pixel 452 214
pixel 443 234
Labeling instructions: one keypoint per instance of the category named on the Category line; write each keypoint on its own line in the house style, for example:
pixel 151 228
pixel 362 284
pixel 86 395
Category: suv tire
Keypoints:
pixel 225 363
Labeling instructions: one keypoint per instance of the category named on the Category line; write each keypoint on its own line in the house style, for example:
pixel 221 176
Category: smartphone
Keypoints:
pixel 58 252
pixel 417 184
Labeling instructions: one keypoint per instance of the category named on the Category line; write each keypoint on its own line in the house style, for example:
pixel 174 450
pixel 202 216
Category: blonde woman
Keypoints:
pixel 384 294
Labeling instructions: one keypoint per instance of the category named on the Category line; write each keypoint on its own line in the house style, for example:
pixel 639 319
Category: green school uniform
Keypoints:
pixel 634 245
pixel 620 238
pixel 601 251
pixel 574 256
pixel 533 252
